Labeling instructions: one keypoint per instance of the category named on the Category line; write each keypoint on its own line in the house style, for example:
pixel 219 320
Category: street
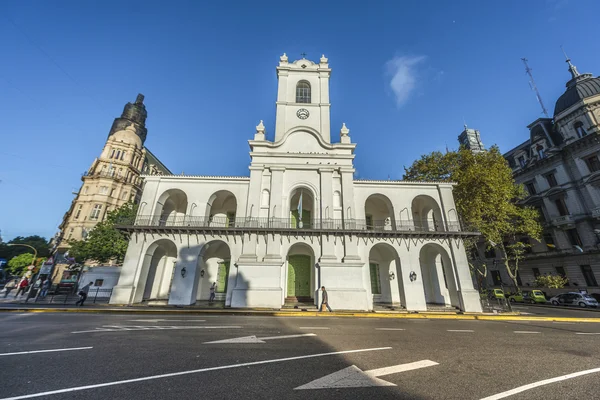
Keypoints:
pixel 158 356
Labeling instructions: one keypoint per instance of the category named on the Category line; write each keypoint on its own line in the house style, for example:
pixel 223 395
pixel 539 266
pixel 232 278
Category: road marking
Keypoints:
pixel 313 327
pixel 254 339
pixel 525 332
pixel 355 377
pixel 118 328
pixel 540 383
pixel 460 330
pixel 587 333
pixel 45 351
pixel 194 371
pixel 390 329
pixel 167 320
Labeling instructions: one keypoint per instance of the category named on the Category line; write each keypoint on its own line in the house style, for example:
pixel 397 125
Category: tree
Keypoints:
pixel 104 242
pixel 18 264
pixel 551 281
pixel 41 245
pixel 486 197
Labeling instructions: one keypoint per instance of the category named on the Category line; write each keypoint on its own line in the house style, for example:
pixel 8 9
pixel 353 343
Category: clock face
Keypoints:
pixel 302 113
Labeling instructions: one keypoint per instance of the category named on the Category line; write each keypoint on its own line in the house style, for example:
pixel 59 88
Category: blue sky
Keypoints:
pixel 405 75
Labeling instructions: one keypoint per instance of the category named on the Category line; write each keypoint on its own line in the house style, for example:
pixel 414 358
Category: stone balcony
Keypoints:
pixel 564 221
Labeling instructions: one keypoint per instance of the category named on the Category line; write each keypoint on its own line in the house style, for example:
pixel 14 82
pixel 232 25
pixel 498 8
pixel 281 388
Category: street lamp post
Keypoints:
pixel 33 263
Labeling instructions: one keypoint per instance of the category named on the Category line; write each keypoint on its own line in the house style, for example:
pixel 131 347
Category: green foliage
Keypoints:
pixel 41 245
pixel 551 281
pixel 104 242
pixel 486 198
pixel 18 265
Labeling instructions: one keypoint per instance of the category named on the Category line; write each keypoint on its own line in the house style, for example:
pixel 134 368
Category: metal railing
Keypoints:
pixel 186 221
pixel 58 297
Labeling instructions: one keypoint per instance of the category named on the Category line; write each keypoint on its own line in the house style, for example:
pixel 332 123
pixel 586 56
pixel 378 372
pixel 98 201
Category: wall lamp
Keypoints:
pixel 183 272
pixel 202 273
pixel 412 276
pixel 392 276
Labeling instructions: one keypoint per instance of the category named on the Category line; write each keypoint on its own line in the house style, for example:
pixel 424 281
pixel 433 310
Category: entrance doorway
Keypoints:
pixel 298 285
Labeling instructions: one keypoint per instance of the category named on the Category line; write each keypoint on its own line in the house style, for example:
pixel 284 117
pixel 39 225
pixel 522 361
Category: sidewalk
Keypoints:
pixel 216 310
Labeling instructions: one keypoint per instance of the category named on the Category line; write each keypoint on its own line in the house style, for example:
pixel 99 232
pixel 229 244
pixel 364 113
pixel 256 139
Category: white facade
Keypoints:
pixel 298 222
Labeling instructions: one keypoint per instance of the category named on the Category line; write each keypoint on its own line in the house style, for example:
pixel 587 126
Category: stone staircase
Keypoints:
pixel 299 303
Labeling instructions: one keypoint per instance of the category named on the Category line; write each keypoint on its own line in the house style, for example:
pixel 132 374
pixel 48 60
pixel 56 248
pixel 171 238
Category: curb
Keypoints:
pixel 441 316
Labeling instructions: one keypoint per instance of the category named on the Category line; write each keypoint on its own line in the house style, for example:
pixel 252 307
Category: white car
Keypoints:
pixel 574 299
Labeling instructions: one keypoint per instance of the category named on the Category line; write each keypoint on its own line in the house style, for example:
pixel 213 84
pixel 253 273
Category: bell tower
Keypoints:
pixel 303 96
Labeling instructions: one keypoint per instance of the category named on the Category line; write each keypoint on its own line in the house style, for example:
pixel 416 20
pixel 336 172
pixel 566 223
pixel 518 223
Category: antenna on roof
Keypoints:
pixel 534 87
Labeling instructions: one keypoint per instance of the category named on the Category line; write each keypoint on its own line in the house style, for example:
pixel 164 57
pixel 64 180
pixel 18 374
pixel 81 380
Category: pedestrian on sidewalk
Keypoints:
pixel 45 287
pixel 10 286
pixel 213 289
pixel 22 286
pixel 325 300
pixel 83 293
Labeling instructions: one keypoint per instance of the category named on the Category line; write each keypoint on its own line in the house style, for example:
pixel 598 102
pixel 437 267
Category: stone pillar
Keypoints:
pixel 414 291
pixel 273 253
pixel 124 292
pixel 327 242
pixel 182 287
pixel 468 296
pixel 349 214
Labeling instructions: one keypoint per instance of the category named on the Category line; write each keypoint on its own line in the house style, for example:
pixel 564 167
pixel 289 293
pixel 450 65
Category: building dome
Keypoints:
pixel 579 88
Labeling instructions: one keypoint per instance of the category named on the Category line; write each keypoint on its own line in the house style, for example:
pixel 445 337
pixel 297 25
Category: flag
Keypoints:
pixel 579 249
pixel 550 245
pixel 300 208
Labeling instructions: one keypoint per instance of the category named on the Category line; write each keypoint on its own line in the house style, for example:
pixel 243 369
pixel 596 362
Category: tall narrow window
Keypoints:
pixel 375 283
pixel 112 154
pixel 522 161
pixel 531 188
pixel 303 92
pixel 103 189
pixel 369 221
pixel 549 239
pixel 96 211
pixel 118 154
pixel 588 275
pixel 540 151
pixel 536 272
pixel 124 196
pixel 593 163
pixel 71 233
pixel 561 271
pixel 551 180
pixel 542 216
pixel 561 207
pixel 78 212
pixel 122 155
pixel 574 237
pixel 579 129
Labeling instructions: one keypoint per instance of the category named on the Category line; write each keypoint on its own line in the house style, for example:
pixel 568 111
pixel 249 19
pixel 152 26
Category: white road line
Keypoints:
pixel 587 333
pixel 313 327
pixel 401 368
pixel 525 332
pixel 194 371
pixel 167 320
pixel 115 328
pixel 460 330
pixel 390 329
pixel 45 351
pixel 540 383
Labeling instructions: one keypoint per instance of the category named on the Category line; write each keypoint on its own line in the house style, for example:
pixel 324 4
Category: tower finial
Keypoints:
pixel 572 68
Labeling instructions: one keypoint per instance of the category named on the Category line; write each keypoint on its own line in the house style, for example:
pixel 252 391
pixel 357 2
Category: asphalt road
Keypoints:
pixel 167 357
pixel 554 311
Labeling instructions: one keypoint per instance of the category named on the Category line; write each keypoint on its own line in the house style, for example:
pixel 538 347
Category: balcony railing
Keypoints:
pixel 185 221
pixel 563 220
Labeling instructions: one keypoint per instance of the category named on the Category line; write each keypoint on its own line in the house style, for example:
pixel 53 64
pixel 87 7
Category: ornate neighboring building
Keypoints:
pixel 299 221
pixel 113 179
pixel 559 166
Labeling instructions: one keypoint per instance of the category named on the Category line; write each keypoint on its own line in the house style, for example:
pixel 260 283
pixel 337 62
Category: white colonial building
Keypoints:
pixel 298 222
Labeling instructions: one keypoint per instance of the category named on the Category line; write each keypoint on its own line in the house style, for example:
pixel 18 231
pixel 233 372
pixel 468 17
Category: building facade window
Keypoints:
pixel 551 179
pixel 78 212
pixel 588 275
pixel 579 129
pixel 112 154
pixel 103 189
pixel 522 161
pixel 593 163
pixel 303 92
pixel 573 236
pixel 98 282
pixel 542 216
pixel 96 211
pixel 536 272
pixel 112 192
pixel 540 151
pixel 497 278
pixel 490 253
pixel 561 207
pixel 122 155
pixel 124 196
pixel 71 233
pixel 530 188
pixel 549 239
pixel 561 271
pixel 85 190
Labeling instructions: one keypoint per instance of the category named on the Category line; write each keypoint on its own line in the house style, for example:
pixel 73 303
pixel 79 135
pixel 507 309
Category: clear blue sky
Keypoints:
pixel 405 74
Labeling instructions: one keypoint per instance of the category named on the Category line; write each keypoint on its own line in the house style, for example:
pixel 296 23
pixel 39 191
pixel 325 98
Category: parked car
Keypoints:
pixel 492 294
pixel 528 296
pixel 574 299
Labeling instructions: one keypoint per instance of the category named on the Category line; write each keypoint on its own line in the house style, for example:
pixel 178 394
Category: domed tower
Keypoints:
pixel 113 179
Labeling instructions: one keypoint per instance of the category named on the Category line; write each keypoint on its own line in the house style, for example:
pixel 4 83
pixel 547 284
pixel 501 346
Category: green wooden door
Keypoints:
pixel 375 284
pixel 298 276
pixel 222 277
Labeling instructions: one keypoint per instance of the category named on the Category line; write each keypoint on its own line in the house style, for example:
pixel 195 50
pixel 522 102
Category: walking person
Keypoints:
pixel 213 289
pixel 45 287
pixel 22 287
pixel 83 293
pixel 10 286
pixel 325 300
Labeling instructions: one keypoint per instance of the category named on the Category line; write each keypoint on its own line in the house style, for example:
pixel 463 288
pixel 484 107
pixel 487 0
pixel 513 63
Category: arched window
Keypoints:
pixel 303 92
pixel 579 129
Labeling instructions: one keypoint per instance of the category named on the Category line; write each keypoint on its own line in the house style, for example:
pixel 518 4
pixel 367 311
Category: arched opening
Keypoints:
pixel 221 209
pixel 379 213
pixel 171 207
pixel 303 92
pixel 302 208
pixel 427 215
pixel 439 282
pixel 385 276
pixel 300 274
pixel 214 264
pixel 157 271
